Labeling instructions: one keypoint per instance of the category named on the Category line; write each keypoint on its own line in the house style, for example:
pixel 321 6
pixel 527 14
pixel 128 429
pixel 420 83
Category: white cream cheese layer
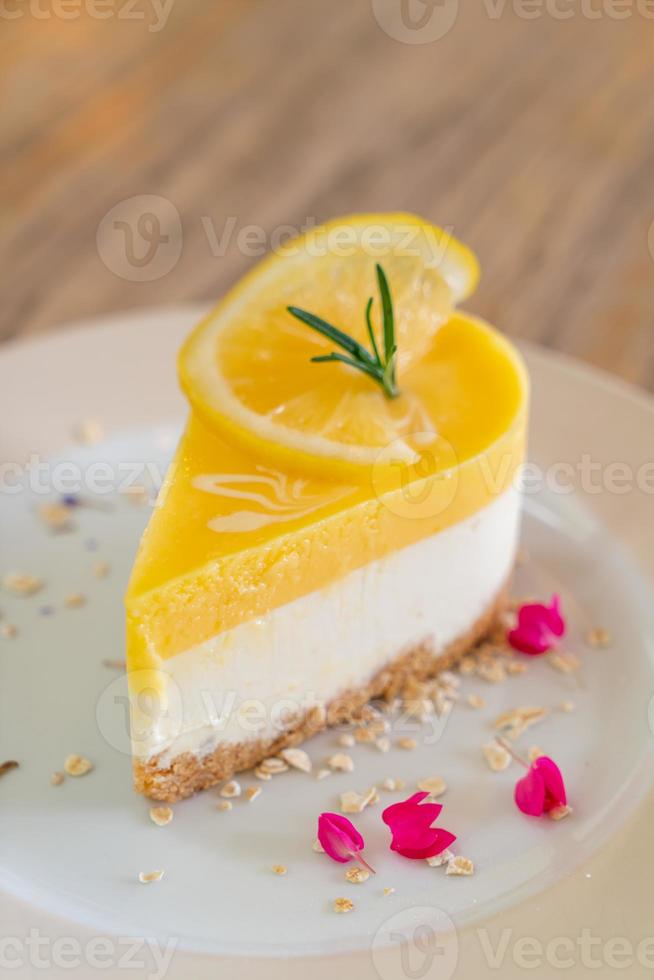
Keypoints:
pixel 250 682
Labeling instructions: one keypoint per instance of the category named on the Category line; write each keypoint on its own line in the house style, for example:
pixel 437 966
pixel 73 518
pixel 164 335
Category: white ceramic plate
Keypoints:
pixel 76 849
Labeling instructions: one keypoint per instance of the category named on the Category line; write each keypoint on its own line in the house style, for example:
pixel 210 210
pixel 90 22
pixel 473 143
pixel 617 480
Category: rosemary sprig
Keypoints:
pixel 382 370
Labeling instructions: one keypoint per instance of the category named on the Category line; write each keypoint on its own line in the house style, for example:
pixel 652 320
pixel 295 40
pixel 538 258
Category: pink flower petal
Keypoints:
pixel 530 793
pixel 538 627
pixel 542 789
pixel 412 834
pixel 440 842
pixel 555 794
pixel 339 837
pixel 408 814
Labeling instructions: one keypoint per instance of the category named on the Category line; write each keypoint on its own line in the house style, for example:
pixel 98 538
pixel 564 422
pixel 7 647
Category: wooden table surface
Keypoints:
pixel 198 129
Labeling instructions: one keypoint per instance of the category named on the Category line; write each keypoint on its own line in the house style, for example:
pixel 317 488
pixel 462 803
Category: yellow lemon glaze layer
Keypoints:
pixel 233 536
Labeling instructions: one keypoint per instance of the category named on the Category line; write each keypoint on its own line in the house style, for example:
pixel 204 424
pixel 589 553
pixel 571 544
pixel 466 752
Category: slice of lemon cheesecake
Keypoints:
pixel 341 512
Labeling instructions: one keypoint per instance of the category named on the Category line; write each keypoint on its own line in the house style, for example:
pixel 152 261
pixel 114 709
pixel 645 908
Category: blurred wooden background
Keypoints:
pixel 531 135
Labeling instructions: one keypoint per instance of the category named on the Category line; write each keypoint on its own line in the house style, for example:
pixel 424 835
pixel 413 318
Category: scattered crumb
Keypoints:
pixel 356 876
pixel 379 727
pixel 566 663
pixel 100 569
pixel 443 703
pixel 231 789
pixel 407 743
pixel 364 735
pixel 145 877
pixel 56 517
pixel 317 716
pixel 22 584
pixel 323 773
pixel 352 802
pixel 560 812
pixel 74 600
pixel 346 740
pixel 341 762
pixel 343 905
pixel 57 778
pixel 383 743
pixel 440 859
pixel 8 766
pixel 434 785
pixel 567 706
pixel 161 815
pixel 517 720
pixel 262 774
pixel 492 671
pixel 297 759
pixel 496 756
pixel 391 785
pixel 421 708
pixel 389 891
pixel 88 432
pixel 448 678
pixel 225 805
pixel 535 752
pixel 515 667
pixel 114 664
pixel 460 866
pixel 252 792
pixel 475 701
pixel 8 631
pixel 279 869
pixel 273 766
pixel 599 638
pixel 317 847
pixel 468 665
pixel 77 765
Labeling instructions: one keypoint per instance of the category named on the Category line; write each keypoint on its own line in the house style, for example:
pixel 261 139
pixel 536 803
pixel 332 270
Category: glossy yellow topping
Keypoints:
pixel 237 532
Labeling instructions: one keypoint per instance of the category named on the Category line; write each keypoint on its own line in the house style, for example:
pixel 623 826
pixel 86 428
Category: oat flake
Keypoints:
pixel 460 866
pixel 22 584
pixel 161 815
pixel 357 876
pixel 440 859
pixel 145 877
pixel 77 765
pixel 341 762
pixel 496 756
pixel 434 785
pixel 297 759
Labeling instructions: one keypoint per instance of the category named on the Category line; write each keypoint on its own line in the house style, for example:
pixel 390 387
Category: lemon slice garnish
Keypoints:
pixel 247 367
